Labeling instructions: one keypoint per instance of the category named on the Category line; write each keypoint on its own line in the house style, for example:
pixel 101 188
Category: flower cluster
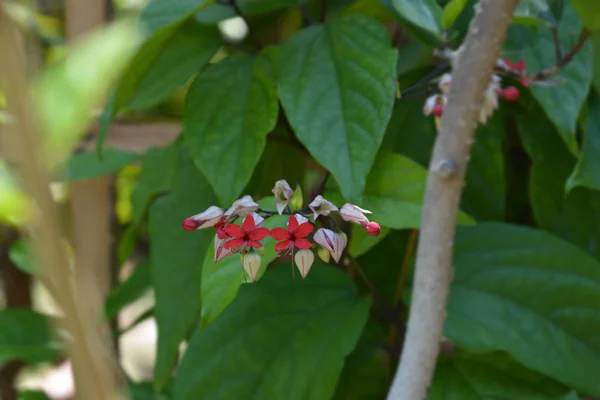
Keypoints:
pixel 435 104
pixel 296 239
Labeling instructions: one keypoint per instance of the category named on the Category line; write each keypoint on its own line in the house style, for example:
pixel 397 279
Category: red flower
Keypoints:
pixel 246 235
pixel 520 66
pixel 220 228
pixel 294 236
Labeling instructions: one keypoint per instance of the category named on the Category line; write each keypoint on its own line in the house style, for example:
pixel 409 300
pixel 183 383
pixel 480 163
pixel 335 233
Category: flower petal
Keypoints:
pixel 228 245
pixel 234 231
pixel 259 234
pixel 280 234
pixel 304 230
pixel 302 243
pixel 254 243
pixel 248 223
pixel 292 223
pixel 282 246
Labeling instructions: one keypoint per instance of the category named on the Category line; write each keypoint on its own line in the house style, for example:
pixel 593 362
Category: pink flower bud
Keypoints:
pixel 251 262
pixel 321 206
pixel 242 207
pixel 352 213
pixel 373 229
pixel 210 217
pixel 511 93
pixel 432 103
pixel 438 110
pixel 519 66
pixel 304 260
pixel 283 193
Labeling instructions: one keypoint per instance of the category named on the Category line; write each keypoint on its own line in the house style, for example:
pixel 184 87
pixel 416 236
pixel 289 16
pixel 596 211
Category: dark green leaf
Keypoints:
pixel 229 110
pixel 164 65
pixel 365 374
pixel 493 376
pixel 176 258
pixel 87 165
pixel 32 395
pixel 573 216
pixel 21 255
pixel 219 12
pixel 145 391
pixel 129 290
pixel 534 12
pixel 337 87
pixel 26 335
pixel 221 281
pixel 159 14
pixel 589 12
pixel 530 294
pixel 562 101
pixel 595 39
pixel 361 242
pixel 587 170
pixel 426 14
pixel 394 192
pixel 281 338
pixel 451 11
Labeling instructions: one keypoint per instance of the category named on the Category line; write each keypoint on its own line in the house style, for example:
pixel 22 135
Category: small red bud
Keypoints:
pixel 438 110
pixel 511 93
pixel 190 224
pixel 373 229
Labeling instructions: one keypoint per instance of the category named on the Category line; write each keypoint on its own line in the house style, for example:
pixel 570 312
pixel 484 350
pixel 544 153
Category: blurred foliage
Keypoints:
pixel 294 98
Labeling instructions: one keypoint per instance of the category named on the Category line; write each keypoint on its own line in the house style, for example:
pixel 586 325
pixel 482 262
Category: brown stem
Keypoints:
pixel 93 374
pixel 472 71
pixel 323 11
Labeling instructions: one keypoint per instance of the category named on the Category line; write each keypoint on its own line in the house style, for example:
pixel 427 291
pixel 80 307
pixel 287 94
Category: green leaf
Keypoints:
pixel 229 110
pixel 87 165
pixel 337 86
pixel 587 170
pixel 176 258
pixel 26 335
pixel 365 374
pixel 68 93
pixel 492 376
pixel 14 204
pixel 221 281
pixel 281 338
pixel 394 192
pixel 361 242
pixel 534 12
pixel 589 12
pixel 128 291
pixel 530 294
pixel 563 101
pixel 595 39
pixel 145 391
pixel 218 12
pixel 426 14
pixel 165 64
pixel 32 395
pixel 159 14
pixel 451 11
pixel 573 216
pixel 21 254
pixel 484 195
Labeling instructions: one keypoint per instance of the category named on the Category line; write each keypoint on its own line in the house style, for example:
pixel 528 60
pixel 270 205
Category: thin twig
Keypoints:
pixel 426 80
pixel 323 11
pixel 556 41
pixel 472 71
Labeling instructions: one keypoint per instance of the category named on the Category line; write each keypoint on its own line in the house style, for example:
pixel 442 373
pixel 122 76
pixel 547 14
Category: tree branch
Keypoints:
pixel 472 71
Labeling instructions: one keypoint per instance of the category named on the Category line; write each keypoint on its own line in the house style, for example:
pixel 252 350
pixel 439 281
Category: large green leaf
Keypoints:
pixel 451 11
pixel 176 258
pixel 221 281
pixel 534 12
pixel 229 110
pixel 493 376
pixel 26 335
pixel 218 12
pixel 589 12
pixel 281 338
pixel 87 165
pixel 563 101
pixel 394 192
pixel 574 215
pixel 337 86
pixel 68 93
pixel 164 62
pixel 159 14
pixel 426 14
pixel 587 170
pixel 129 290
pixel 528 293
pixel 595 39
